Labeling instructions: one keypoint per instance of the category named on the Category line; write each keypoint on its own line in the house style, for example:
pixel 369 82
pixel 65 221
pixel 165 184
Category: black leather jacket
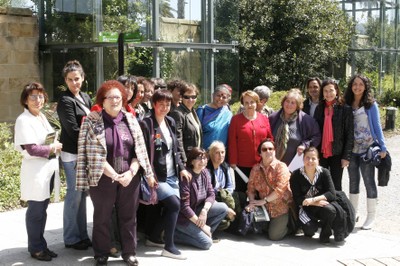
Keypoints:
pixel 343 128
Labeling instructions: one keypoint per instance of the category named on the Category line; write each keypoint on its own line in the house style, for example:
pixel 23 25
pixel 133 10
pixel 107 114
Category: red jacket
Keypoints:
pixel 244 138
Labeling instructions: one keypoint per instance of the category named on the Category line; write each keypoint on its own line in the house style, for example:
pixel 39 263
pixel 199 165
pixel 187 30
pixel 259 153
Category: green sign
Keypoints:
pixel 130 37
pixel 105 36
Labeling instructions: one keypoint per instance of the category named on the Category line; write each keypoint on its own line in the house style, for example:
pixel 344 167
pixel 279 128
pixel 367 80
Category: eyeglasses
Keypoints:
pixel 35 97
pixel 187 97
pixel 116 98
pixel 201 157
pixel 264 149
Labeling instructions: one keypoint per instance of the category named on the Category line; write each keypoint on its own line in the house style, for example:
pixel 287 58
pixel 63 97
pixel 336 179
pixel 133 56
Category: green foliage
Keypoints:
pixel 284 41
pixel 10 163
pixel 5 3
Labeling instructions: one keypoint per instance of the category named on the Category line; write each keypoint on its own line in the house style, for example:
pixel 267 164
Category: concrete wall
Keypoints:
pixel 19 61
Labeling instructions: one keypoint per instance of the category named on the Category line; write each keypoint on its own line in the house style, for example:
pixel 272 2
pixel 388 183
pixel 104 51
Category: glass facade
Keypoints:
pixel 375 46
pixel 172 39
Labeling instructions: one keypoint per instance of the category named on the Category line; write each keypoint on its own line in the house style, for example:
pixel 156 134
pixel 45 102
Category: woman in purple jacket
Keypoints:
pixel 200 214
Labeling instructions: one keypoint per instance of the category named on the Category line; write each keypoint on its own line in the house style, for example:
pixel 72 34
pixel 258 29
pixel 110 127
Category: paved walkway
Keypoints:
pixel 380 246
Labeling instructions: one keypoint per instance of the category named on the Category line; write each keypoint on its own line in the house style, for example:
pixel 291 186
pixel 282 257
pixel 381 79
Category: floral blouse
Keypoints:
pixel 266 180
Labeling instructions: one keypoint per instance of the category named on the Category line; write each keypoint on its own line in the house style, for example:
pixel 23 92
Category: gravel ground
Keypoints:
pixel 388 209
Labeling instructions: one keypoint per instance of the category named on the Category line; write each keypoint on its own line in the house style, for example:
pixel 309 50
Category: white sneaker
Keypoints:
pixel 166 253
pixel 150 243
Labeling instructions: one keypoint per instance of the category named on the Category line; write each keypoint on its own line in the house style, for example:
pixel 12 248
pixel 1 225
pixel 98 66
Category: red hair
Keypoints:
pixel 106 87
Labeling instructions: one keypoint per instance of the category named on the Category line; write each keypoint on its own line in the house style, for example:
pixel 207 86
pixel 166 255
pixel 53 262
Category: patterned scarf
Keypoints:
pixel 282 134
pixel 327 135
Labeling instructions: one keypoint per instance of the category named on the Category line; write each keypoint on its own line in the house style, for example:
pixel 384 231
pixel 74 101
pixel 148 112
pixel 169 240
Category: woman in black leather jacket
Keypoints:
pixel 335 120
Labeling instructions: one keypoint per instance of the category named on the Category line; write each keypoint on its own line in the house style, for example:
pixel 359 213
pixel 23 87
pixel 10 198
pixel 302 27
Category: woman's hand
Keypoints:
pixel 257 202
pixel 152 182
pixel 185 174
pixel 202 219
pixel 300 149
pixel 383 154
pixel 56 147
pixel 125 178
pixel 345 163
pixel 207 230
pixel 231 214
pixel 94 115
pixel 315 202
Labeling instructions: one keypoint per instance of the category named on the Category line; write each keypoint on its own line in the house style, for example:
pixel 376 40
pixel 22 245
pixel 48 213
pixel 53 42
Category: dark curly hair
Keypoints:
pixel 367 99
pixel 333 82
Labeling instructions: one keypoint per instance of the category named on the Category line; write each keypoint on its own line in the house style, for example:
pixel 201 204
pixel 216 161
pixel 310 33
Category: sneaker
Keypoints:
pixel 155 244
pixel 166 253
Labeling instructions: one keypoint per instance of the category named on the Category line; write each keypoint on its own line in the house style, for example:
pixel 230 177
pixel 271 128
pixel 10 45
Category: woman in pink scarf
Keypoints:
pixel 335 119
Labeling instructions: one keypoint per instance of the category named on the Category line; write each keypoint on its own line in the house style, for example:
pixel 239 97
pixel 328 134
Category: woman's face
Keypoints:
pixel 139 94
pixel 148 93
pixel 200 162
pixel 218 155
pixel 74 81
pixel 358 87
pixel 313 89
pixel 329 92
pixel 267 152
pixel 112 103
pixel 35 102
pixel 161 108
pixel 249 104
pixel 290 105
pixel 311 160
pixel 189 99
pixel 129 91
pixel 220 99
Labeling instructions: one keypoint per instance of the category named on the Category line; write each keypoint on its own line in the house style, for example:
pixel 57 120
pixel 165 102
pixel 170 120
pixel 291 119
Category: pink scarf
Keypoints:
pixel 327 136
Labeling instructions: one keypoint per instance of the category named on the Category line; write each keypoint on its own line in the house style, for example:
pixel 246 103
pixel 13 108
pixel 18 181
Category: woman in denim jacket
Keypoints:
pixel 367 130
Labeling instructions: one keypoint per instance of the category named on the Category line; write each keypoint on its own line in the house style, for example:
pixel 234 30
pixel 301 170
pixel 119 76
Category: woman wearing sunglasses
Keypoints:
pixel 269 179
pixel 188 127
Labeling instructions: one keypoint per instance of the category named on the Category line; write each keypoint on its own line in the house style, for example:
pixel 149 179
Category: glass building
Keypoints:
pixel 375 45
pixel 171 39
pixel 187 39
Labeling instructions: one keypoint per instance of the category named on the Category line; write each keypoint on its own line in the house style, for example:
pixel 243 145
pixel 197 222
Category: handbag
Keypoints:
pixel 147 194
pixel 248 223
pixel 372 154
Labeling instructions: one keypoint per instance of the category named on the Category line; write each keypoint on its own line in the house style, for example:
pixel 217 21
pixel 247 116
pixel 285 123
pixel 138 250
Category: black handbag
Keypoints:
pixel 248 224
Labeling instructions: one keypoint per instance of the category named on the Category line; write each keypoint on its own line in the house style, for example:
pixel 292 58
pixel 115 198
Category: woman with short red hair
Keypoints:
pixel 112 147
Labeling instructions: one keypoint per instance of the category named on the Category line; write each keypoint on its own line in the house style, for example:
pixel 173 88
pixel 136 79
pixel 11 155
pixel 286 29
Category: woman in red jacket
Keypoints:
pixel 246 132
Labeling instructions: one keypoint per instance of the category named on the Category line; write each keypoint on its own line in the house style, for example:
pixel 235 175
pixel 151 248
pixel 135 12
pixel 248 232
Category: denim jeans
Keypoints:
pixel 35 220
pixel 75 225
pixel 192 235
pixel 357 168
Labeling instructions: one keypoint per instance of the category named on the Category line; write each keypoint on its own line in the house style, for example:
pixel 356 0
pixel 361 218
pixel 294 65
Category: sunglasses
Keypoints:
pixel 267 149
pixel 187 97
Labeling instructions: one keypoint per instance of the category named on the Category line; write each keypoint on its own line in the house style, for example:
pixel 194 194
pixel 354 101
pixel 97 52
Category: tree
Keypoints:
pixel 282 42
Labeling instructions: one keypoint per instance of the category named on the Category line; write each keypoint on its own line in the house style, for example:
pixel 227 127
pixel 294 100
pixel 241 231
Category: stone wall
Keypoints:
pixel 19 61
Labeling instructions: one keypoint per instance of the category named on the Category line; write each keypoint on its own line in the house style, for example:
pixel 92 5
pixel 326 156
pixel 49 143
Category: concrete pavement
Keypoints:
pixel 380 246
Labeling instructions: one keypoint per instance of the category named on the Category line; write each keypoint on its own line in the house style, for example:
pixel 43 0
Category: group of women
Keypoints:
pixel 105 153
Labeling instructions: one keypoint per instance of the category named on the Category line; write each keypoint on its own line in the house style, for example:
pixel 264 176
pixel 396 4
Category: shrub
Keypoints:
pixel 10 163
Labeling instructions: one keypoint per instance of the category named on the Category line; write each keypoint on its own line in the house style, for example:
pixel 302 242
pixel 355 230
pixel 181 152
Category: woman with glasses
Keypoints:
pixel 112 147
pixel 72 107
pixel 39 168
pixel 159 131
pixel 335 119
pixel 246 131
pixel 188 127
pixel 269 186
pixel 200 214
pixel 215 117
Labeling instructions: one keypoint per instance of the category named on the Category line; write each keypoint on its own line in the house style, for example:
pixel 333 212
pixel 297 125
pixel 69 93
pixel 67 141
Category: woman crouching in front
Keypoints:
pixel 270 180
pixel 200 214
pixel 111 150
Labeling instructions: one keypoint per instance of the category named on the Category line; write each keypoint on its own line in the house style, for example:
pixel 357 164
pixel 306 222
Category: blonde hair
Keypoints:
pixel 251 94
pixel 296 94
